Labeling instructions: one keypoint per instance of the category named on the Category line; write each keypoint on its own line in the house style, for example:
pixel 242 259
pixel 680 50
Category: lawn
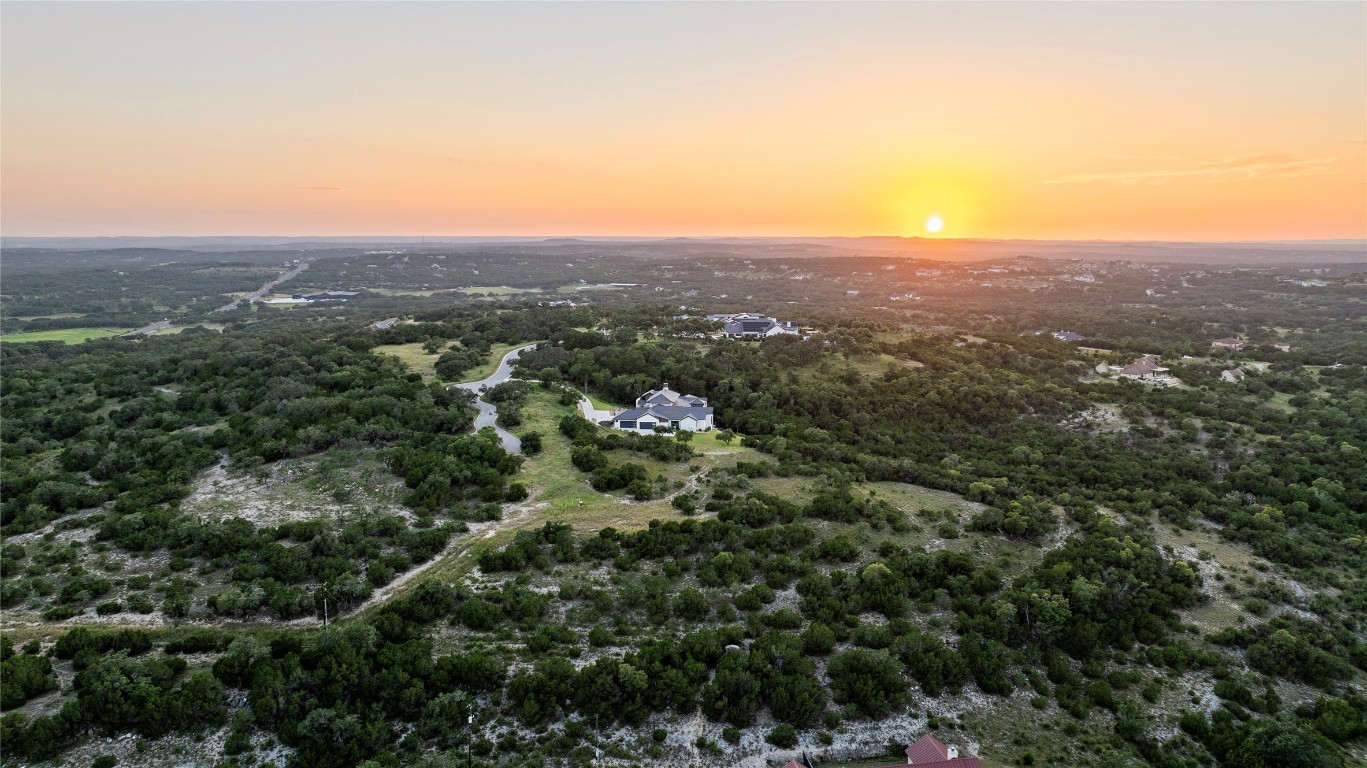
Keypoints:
pixel 601 404
pixel 66 335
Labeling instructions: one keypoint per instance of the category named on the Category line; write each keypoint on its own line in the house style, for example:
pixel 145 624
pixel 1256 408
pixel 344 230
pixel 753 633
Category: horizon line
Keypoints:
pixel 914 238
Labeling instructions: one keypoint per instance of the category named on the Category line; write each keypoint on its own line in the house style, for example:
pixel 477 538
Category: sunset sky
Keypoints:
pixel 1176 121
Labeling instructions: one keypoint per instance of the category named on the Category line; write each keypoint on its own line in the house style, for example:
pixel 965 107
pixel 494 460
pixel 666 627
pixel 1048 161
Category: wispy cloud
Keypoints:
pixel 1265 165
pixel 322 189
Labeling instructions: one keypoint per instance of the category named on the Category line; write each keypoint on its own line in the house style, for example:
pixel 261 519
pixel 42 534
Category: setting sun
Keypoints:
pixel 934 224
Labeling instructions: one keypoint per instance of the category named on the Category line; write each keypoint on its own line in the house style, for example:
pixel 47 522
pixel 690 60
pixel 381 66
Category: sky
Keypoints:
pixel 1122 121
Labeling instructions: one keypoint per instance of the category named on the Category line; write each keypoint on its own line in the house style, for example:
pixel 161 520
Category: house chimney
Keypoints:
pixel 951 753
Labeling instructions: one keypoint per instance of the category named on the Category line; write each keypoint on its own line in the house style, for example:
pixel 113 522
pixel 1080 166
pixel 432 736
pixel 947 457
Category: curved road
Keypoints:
pixel 488 412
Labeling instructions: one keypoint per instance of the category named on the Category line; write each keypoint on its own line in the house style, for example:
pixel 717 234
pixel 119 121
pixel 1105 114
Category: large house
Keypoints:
pixel 747 325
pixel 1229 343
pixel 1145 368
pixel 664 407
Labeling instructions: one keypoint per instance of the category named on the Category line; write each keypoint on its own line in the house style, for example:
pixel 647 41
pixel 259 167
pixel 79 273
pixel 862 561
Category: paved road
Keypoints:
pixel 488 412
pixel 263 290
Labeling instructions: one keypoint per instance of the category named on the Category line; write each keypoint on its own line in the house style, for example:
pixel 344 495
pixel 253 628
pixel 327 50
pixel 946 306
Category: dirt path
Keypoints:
pixel 513 516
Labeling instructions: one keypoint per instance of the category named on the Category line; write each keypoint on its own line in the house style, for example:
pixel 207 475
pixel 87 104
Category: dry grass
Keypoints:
pixel 413 356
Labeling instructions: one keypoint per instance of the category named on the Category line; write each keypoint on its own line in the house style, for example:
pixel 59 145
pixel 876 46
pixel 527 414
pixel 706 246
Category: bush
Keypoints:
pixel 783 735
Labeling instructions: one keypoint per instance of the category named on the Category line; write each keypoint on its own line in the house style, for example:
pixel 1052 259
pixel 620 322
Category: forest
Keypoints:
pixel 280 540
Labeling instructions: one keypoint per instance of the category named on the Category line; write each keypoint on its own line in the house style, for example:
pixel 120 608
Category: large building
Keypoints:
pixel 665 408
pixel 748 325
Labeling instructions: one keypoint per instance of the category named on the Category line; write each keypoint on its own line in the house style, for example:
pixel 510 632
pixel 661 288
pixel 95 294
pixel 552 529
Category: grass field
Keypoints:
pixel 419 361
pixel 173 330
pixel 413 356
pixel 497 290
pixel 66 335
pixel 585 287
pixel 58 316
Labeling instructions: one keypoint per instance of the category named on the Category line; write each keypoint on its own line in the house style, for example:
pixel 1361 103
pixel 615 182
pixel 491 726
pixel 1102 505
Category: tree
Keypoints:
pixel 871 681
pixel 1282 744
pixel 783 735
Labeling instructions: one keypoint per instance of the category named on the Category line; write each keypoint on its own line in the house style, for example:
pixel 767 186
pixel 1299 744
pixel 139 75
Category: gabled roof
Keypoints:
pixel 663 413
pixel 674 412
pixel 927 750
pixel 631 414
pixel 1143 365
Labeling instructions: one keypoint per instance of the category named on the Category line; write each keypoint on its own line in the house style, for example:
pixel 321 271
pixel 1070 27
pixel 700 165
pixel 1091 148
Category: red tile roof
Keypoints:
pixel 927 750
pixel 929 753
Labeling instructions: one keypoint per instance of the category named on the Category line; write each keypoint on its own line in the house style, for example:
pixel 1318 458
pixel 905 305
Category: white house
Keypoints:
pixel 664 407
pixel 747 325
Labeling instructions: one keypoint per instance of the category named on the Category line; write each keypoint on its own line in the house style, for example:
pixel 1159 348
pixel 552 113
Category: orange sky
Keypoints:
pixel 1104 120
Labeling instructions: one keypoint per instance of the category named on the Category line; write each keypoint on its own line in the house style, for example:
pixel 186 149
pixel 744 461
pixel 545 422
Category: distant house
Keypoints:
pixel 1282 347
pixel 1068 336
pixel 664 407
pixel 754 326
pixel 1229 343
pixel 1146 368
pixel 1232 376
pixel 929 753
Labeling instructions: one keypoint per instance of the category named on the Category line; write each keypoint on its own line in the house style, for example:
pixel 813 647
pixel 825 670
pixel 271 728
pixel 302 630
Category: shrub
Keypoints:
pixel 783 735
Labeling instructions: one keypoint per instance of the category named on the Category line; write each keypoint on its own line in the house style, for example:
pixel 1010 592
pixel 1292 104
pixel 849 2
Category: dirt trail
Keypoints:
pixel 459 546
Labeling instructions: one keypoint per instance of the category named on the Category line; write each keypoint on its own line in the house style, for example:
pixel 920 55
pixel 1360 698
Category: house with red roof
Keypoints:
pixel 927 752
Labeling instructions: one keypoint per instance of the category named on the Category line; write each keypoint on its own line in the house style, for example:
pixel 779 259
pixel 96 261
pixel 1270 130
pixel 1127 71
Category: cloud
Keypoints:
pixel 322 189
pixel 1266 165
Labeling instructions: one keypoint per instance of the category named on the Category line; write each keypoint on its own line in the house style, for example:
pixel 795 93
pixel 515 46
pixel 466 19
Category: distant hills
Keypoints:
pixel 1226 253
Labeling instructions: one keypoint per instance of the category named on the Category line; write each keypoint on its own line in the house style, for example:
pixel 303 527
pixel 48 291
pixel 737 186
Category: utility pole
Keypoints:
pixel 470 742
pixel 325 613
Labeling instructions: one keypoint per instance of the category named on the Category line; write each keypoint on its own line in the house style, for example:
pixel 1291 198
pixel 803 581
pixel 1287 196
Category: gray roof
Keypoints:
pixel 663 413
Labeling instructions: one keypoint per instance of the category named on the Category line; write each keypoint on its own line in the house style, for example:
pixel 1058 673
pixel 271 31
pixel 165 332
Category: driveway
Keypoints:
pixel 488 412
